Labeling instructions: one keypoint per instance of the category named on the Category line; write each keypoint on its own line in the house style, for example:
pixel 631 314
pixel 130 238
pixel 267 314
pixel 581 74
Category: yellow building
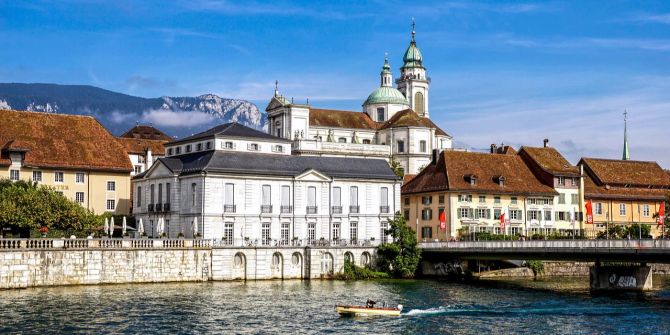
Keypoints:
pixel 473 190
pixel 76 155
pixel 624 192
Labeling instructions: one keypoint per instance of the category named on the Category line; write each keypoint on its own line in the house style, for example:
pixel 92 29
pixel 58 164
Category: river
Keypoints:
pixel 554 306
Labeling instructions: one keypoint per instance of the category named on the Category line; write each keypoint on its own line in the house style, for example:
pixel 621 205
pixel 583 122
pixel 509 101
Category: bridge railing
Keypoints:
pixel 555 244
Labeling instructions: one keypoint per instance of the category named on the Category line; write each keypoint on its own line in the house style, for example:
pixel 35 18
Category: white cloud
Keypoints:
pixel 121 117
pixel 165 118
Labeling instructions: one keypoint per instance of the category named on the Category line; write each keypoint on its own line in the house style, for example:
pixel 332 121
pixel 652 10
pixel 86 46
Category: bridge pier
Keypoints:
pixel 620 278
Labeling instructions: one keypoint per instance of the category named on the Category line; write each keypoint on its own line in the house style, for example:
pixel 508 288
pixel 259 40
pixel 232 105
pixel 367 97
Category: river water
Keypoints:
pixel 555 306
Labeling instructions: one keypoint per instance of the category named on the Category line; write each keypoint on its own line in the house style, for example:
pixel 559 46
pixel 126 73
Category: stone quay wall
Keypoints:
pixel 561 269
pixel 90 262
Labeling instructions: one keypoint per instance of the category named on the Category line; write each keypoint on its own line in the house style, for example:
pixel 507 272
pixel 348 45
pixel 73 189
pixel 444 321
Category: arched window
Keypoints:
pixel 380 114
pixel 418 103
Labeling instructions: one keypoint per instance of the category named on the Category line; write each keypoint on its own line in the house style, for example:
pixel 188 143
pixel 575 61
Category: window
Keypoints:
pixel 515 215
pixel 440 199
pixel 167 193
pixel 561 198
pixel 229 198
pixel 336 231
pixel 561 181
pixel 58 177
pixel 266 199
pixel 465 213
pixel 353 199
pixel 575 199
pixel 285 199
pixel 406 214
pixel 265 234
pixel 406 201
pixel 422 146
pixel 137 169
pixel 279 132
pixel 111 204
pixel 111 186
pixel 285 236
pixel 464 198
pixel 382 231
pixel 380 114
pixel 14 175
pixel 311 200
pixel 645 210
pixel 384 203
pixel 599 208
pixel 426 232
pixel 209 145
pixel 366 141
pixel 188 148
pixel 253 147
pixel 622 209
pixel 534 215
pixel 418 103
pixel 198 147
pixel 575 181
pixel 483 213
pixel 79 197
pixel 228 233
pixel 353 231
pixel 228 145
pixel 37 176
pixel 177 150
pixel 278 148
pixel 514 200
pixel 160 193
pixel 151 194
pixel 141 159
pixel 426 214
pixel 496 200
pixel 193 189
pixel 547 215
pixel 342 140
pixel 311 232
pixel 482 198
pixel 426 200
pixel 401 146
pixel 170 152
pixel 139 196
pixel 496 213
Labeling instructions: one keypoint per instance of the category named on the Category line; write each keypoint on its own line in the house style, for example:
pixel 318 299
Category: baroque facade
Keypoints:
pixel 243 186
pixel 394 122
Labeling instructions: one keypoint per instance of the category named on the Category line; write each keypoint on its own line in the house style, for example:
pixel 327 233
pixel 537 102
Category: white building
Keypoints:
pixel 243 186
pixel 144 144
pixel 394 123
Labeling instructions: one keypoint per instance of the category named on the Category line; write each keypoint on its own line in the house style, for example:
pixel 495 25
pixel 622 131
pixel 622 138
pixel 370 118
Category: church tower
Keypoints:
pixel 413 82
pixel 626 155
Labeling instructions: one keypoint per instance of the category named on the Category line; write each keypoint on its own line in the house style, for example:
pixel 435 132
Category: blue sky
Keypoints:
pixel 502 72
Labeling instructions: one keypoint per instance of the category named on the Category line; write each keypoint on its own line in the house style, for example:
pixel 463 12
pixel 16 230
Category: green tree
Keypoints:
pixel 397 168
pixel 634 231
pixel 400 258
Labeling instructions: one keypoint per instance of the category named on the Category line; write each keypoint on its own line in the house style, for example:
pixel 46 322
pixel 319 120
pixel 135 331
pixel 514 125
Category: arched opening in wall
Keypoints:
pixel 327 266
pixel 349 257
pixel 239 266
pixel 366 259
pixel 296 262
pixel 418 103
pixel 277 268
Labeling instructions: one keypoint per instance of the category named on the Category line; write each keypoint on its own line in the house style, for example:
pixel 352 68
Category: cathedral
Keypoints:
pixel 394 123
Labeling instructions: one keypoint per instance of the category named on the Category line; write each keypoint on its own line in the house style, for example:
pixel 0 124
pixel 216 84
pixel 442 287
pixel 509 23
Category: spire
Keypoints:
pixel 413 31
pixel 625 155
pixel 276 88
pixel 386 76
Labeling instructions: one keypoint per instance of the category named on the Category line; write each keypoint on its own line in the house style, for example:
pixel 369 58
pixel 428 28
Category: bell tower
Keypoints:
pixel 413 82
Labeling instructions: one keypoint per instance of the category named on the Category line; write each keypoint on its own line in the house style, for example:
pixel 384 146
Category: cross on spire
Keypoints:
pixel 276 87
pixel 413 31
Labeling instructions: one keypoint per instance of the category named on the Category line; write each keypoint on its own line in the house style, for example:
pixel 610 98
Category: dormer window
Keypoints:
pixel 472 179
pixel 366 141
pixel 199 147
pixel 342 140
pixel 177 150
pixel 170 152
pixel 253 147
pixel 209 145
pixel 278 148
pixel 500 180
pixel 228 145
pixel 188 148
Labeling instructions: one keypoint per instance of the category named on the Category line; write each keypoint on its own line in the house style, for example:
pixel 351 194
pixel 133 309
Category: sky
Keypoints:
pixel 502 72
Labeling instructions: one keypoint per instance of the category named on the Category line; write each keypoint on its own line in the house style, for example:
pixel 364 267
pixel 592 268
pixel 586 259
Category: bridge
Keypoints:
pixel 602 277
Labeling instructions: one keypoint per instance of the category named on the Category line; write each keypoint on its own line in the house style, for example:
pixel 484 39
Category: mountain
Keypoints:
pixel 177 116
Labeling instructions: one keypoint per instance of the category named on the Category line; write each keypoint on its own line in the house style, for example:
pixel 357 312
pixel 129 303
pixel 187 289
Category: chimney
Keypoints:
pixel 546 142
pixel 436 152
pixel 149 160
pixel 493 148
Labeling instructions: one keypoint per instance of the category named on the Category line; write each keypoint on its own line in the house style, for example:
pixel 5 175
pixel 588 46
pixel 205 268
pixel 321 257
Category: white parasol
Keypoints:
pixel 123 226
pixel 195 226
pixel 111 227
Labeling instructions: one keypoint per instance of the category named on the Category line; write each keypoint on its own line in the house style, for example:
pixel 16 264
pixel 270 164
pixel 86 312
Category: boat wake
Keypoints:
pixel 437 310
pixel 517 311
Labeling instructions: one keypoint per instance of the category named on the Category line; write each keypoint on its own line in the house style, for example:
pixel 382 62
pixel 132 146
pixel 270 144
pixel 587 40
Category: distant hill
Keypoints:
pixel 177 116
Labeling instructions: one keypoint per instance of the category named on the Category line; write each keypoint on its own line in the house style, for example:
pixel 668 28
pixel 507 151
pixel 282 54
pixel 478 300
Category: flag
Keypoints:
pixel 661 214
pixel 443 220
pixel 504 217
pixel 589 212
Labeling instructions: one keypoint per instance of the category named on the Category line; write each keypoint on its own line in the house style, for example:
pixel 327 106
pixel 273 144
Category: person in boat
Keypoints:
pixel 370 304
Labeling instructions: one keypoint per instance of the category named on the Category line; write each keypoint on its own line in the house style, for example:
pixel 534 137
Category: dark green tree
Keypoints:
pixel 400 258
pixel 397 168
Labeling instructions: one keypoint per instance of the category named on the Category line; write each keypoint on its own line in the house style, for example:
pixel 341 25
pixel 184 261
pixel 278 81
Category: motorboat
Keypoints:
pixel 349 310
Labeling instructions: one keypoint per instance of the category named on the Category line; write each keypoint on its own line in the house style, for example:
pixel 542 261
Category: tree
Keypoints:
pixel 400 258
pixel 397 168
pixel 634 231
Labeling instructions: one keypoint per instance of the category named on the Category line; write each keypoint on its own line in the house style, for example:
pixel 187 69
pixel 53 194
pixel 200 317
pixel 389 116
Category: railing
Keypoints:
pixel 550 244
pixel 150 207
pixel 159 207
pixel 354 209
pixel 286 209
pixel 166 207
pixel 266 208
pixel 311 209
pixel 229 208
pixel 336 209
pixel 274 243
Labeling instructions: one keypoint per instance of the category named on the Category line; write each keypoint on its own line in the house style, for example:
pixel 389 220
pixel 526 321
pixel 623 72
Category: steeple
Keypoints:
pixel 625 155
pixel 413 82
pixel 386 76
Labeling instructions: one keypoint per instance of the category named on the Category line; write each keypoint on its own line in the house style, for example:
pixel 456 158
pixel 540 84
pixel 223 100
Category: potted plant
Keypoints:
pixel 44 230
pixel 144 235
pixel 180 235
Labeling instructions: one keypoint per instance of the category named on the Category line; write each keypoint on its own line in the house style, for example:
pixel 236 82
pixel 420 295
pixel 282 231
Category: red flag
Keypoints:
pixel 589 212
pixel 661 214
pixel 443 221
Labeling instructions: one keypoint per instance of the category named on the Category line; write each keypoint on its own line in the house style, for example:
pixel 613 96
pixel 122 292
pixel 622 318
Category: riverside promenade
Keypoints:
pixel 51 262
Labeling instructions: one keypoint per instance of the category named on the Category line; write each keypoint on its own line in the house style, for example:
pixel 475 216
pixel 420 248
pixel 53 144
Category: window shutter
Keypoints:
pixel 470 213
pixel 286 196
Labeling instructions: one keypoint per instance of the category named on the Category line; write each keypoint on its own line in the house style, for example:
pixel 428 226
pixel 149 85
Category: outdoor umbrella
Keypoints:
pixel 106 225
pixel 195 226
pixel 111 227
pixel 161 227
pixel 140 228
pixel 123 227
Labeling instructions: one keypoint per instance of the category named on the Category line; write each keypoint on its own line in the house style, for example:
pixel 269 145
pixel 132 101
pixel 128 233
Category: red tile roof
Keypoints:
pixel 409 118
pixel 453 169
pixel 551 161
pixel 593 191
pixel 139 146
pixel 340 119
pixel 60 141
pixel 147 133
pixel 619 172
pixel 406 178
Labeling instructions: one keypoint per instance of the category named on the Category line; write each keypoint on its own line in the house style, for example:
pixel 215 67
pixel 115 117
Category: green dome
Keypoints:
pixel 385 95
pixel 412 57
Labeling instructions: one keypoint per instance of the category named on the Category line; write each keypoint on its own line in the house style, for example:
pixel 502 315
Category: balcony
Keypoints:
pixel 229 208
pixel 159 207
pixel 166 207
pixel 266 208
pixel 306 146
pixel 354 209
pixel 286 209
pixel 311 209
pixel 150 207
pixel 336 209
pixel 384 209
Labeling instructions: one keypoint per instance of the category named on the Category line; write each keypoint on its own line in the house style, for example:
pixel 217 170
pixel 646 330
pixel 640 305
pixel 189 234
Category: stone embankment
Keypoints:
pixel 559 269
pixel 45 262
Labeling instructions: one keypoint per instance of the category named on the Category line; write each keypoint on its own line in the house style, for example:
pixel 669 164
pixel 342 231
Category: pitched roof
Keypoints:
pixel 551 161
pixel 341 119
pixel 619 172
pixel 454 168
pixel 146 132
pixel 277 165
pixel 60 141
pixel 138 146
pixel 506 150
pixel 409 118
pixel 406 178
pixel 593 191
pixel 232 129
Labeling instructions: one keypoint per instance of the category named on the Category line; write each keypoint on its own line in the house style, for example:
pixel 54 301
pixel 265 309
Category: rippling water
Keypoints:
pixel 558 306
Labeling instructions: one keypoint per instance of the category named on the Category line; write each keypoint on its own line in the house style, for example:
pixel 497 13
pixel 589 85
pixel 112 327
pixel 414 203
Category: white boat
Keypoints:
pixel 348 310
